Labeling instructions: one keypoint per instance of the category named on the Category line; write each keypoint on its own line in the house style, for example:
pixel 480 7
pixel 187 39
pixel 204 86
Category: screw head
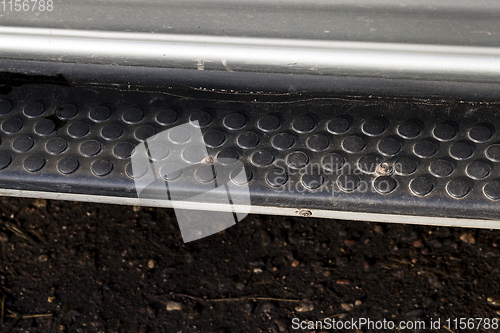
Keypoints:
pixel 385 169
pixel 304 213
pixel 209 160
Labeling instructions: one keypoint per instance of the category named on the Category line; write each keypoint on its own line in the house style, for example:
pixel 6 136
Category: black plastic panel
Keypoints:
pixel 442 157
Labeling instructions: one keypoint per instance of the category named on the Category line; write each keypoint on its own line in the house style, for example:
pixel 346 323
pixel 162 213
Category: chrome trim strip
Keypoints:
pixel 329 214
pixel 265 55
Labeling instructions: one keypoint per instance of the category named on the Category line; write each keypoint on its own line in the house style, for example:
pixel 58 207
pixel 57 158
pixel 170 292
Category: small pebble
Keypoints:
pixel 295 263
pixel 136 209
pixel 378 229
pixel 174 306
pixel 494 301
pixel 343 281
pixel 347 306
pixel 248 307
pixel 349 242
pixel 267 308
pixel 43 258
pixel 468 238
pixel 304 307
pixel 151 263
pixel 418 243
pixel 358 303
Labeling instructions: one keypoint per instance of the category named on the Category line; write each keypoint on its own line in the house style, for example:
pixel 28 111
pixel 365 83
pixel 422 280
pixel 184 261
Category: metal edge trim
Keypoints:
pixel 291 56
pixel 328 214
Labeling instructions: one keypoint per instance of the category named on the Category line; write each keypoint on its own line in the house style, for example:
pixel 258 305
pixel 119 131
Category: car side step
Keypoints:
pixel 398 159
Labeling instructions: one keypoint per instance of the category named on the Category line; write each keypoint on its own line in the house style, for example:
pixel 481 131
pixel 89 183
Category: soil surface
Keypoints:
pixel 78 267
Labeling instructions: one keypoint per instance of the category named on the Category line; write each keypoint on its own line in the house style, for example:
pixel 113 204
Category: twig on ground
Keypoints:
pixel 10 226
pixel 31 316
pixel 17 317
pixel 2 310
pixel 236 299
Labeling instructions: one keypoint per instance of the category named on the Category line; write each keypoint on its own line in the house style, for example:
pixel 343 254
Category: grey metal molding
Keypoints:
pixel 452 22
pixel 264 55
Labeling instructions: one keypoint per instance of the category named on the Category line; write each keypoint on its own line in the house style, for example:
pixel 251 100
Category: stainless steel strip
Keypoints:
pixel 314 57
pixel 454 22
pixel 330 214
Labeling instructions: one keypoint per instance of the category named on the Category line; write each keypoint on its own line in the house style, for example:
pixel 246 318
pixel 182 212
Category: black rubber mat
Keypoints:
pixel 398 156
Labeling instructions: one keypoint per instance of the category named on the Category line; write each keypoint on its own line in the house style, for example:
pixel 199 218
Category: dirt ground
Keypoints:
pixel 77 267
